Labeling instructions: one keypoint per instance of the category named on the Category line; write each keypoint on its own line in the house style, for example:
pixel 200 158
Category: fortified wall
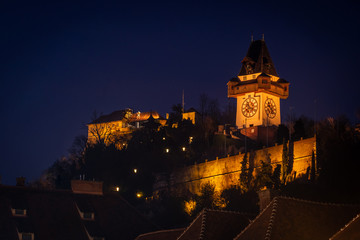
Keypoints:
pixel 225 172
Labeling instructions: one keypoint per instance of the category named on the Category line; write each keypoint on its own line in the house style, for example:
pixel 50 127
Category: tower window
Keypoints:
pixel 244 78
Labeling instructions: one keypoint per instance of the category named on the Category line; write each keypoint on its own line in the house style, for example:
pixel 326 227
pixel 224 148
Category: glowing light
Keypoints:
pixel 190 139
pixel 167 150
pixel 183 148
pixel 190 206
pixel 163 138
pixel 117 189
pixel 139 194
pixel 135 170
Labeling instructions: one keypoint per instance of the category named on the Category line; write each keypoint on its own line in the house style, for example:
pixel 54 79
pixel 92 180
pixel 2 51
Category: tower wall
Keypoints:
pixel 260 118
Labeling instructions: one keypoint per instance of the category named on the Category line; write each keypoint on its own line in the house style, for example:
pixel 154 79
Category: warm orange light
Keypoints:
pixel 139 194
pixel 190 139
pixel 167 150
pixel 190 206
pixel 183 148
pixel 163 138
pixel 135 170
pixel 117 189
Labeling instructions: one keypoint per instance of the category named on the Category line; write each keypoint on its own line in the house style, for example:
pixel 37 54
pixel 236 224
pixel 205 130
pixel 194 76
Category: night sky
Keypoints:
pixel 62 61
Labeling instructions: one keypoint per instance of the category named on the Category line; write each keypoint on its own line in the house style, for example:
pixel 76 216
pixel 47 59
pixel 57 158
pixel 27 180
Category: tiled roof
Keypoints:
pixel 282 80
pixel 288 218
pixel 215 224
pixel 259 57
pixel 143 116
pixel 171 234
pixel 114 116
pixel 120 115
pixel 54 215
pixel 351 231
pixel 191 110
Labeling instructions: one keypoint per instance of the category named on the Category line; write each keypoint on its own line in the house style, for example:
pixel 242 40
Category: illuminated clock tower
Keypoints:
pixel 258 90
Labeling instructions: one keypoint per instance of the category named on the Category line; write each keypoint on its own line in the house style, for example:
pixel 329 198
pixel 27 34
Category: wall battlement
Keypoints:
pixel 225 172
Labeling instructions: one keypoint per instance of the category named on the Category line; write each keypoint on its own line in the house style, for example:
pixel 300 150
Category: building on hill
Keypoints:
pixel 83 213
pixel 192 115
pixel 117 126
pixel 258 90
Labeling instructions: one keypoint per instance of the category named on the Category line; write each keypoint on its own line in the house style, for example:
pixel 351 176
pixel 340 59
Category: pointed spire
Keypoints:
pixel 252 37
pixel 257 60
pixel 263 37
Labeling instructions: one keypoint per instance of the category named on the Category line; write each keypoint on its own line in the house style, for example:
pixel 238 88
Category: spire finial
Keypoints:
pixel 252 37
pixel 263 37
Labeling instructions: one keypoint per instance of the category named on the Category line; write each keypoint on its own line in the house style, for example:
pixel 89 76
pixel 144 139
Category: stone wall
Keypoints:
pixel 225 172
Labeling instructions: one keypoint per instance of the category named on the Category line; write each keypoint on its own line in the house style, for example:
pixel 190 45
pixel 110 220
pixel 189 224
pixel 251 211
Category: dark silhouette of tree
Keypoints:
pixel 276 177
pixel 237 200
pixel 244 175
pixel 338 154
pixel 285 162
pixel 303 128
pixel 208 198
pixel 264 176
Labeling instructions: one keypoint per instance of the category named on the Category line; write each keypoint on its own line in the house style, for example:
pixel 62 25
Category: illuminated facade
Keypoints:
pixel 191 115
pixel 258 89
pixel 117 126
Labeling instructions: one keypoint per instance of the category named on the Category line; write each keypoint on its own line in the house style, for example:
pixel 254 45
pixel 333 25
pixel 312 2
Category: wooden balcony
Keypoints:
pixel 279 89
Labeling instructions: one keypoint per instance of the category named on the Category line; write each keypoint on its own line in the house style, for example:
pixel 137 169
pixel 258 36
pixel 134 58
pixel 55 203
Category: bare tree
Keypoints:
pixel 99 132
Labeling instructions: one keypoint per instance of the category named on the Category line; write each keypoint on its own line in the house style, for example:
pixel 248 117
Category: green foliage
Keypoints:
pixel 166 212
pixel 264 177
pixel 338 154
pixel 244 175
pixel 236 200
pixel 208 198
pixel 285 162
pixel 275 178
pixel 282 134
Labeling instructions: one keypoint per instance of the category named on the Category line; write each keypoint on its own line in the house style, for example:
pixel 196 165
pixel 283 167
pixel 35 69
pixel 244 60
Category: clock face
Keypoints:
pixel 249 107
pixel 270 108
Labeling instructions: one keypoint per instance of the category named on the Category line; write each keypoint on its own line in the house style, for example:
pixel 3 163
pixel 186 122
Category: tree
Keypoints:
pixel 276 177
pixel 208 198
pixel 285 162
pixel 244 175
pixel 236 200
pixel 282 133
pixel 264 177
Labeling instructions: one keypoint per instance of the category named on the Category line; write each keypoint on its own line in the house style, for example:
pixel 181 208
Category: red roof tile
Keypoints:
pixel 288 218
pixel 54 215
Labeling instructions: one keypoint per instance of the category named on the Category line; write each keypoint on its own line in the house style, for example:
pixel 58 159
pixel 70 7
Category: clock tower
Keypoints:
pixel 258 90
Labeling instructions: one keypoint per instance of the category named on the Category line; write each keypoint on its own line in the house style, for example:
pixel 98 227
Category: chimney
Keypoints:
pixel 87 187
pixel 20 181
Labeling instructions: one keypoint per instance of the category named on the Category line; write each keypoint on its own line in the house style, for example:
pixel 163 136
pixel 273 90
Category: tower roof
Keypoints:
pixel 257 60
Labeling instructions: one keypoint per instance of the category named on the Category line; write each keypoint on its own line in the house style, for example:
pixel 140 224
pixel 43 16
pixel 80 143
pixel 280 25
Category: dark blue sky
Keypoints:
pixel 60 61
